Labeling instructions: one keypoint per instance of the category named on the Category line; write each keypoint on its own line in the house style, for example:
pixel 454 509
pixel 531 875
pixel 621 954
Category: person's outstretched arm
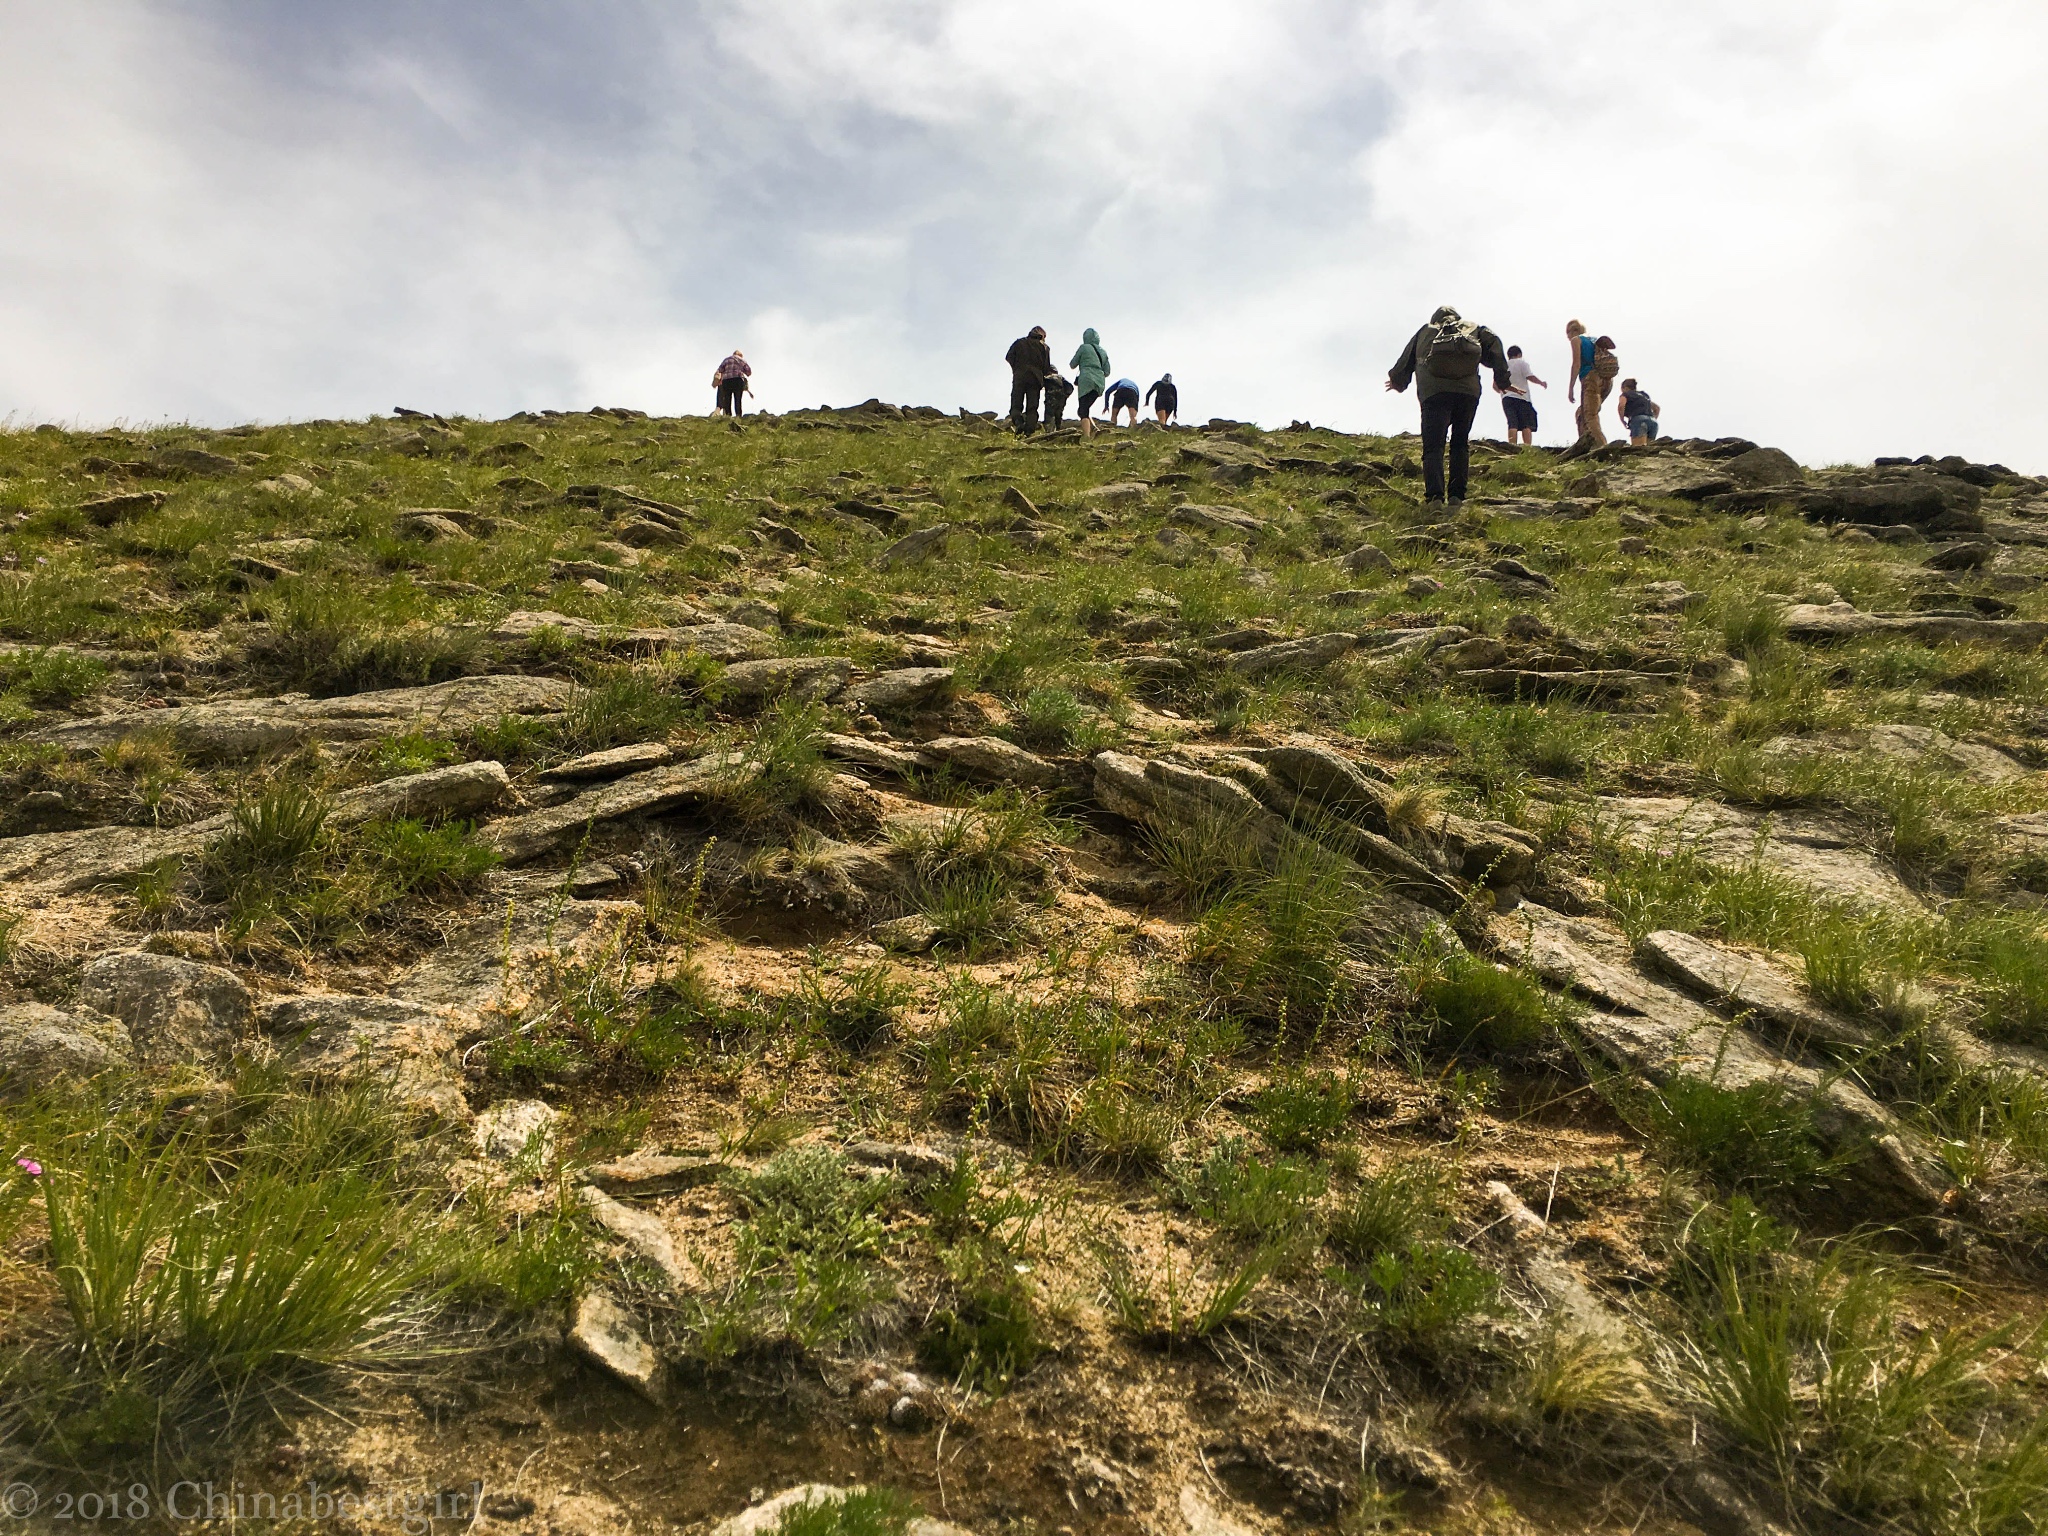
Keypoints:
pixel 1534 380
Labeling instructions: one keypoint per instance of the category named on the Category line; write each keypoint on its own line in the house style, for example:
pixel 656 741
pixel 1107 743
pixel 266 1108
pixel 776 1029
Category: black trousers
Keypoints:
pixel 1024 401
pixel 731 392
pixel 1447 413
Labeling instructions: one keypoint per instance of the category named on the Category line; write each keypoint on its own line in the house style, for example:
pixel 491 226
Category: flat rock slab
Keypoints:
pixel 642 1231
pixel 645 1175
pixel 612 763
pixel 1751 987
pixel 1310 654
pixel 1841 621
pixel 1814 851
pixel 1596 683
pixel 751 684
pixel 520 839
pixel 877 756
pixel 608 1336
pixel 518 1130
pixel 993 760
pixel 57 863
pixel 903 691
pixel 1663 1035
pixel 406 1046
pixel 247 727
pixel 720 642
pixel 1916 745
pixel 1216 519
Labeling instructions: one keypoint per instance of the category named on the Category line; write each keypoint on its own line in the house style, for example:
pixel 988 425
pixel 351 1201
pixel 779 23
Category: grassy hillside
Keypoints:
pixel 1094 983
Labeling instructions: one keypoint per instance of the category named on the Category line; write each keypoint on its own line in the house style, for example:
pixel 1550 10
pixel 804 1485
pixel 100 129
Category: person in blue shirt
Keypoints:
pixel 1123 396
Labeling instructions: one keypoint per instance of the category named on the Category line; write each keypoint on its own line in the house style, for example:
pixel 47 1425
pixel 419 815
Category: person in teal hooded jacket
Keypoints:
pixel 1091 376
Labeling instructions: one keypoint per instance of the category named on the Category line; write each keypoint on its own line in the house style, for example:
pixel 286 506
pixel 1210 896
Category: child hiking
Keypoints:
pixel 1515 401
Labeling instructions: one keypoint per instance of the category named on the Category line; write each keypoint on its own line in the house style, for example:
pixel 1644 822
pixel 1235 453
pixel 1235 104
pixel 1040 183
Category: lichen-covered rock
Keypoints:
pixel 41 1045
pixel 178 1012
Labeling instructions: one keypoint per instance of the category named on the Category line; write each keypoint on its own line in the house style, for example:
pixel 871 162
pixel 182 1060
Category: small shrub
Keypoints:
pixel 1051 720
pixel 1759 1139
pixel 1276 944
pixel 1426 1294
pixel 853 1009
pixel 1301 1110
pixel 1405 1203
pixel 51 679
pixel 1252 1198
pixel 1504 1013
pixel 781 768
pixel 863 1512
pixel 988 1335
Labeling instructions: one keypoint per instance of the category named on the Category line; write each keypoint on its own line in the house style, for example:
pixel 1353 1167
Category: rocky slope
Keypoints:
pixel 1147 983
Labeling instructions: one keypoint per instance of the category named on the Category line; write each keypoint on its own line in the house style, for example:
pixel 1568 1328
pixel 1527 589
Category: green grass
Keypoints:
pixel 1471 1005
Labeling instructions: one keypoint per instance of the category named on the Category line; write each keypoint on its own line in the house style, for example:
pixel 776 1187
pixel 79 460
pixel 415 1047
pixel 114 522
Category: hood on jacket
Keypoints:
pixel 1091 338
pixel 1445 315
pixel 1166 378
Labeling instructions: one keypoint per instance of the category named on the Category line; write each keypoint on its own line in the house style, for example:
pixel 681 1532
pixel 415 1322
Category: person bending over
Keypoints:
pixel 730 380
pixel 1444 359
pixel 1123 396
pixel 1639 413
pixel 1164 398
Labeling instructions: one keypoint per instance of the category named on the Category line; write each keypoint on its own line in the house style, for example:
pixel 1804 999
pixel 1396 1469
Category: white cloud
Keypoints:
pixel 1814 225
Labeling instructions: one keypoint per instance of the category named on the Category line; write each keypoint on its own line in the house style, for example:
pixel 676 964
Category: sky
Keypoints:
pixel 1820 224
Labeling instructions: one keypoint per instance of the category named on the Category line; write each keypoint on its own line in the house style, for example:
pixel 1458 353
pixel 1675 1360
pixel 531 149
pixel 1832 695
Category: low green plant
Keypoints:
pixel 1425 1295
pixel 854 1009
pixel 1276 944
pixel 1472 1004
pixel 779 768
pixel 1760 1139
pixel 1404 1203
pixel 1253 1198
pixel 861 1512
pixel 807 1263
pixel 51 678
pixel 1301 1109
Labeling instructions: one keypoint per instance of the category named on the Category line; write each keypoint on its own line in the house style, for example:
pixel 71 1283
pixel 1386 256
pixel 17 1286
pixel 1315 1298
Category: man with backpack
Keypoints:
pixel 1444 360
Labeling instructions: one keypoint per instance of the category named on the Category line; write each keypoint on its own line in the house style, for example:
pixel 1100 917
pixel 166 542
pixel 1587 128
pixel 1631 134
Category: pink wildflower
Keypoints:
pixel 29 1166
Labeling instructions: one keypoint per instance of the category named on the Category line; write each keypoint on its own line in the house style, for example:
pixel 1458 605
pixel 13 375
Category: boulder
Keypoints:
pixel 1962 557
pixel 105 511
pixel 251 727
pixel 1368 557
pixel 1763 466
pixel 749 685
pixel 516 1130
pixel 41 1046
pixel 992 759
pixel 644 1175
pixel 430 528
pixel 906 690
pixel 406 1046
pixel 177 1012
pixel 1117 494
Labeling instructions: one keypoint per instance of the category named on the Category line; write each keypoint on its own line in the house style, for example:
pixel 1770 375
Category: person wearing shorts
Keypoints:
pixel 731 383
pixel 1164 397
pixel 1123 396
pixel 1640 412
pixel 1515 401
pixel 1091 376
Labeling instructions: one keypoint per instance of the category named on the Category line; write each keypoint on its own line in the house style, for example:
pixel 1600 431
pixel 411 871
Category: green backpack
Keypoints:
pixel 1452 350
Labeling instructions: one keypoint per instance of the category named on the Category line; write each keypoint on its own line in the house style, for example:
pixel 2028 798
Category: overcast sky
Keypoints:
pixel 1820 224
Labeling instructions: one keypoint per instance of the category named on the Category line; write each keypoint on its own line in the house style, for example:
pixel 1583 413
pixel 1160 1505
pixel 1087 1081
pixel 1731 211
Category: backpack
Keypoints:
pixel 1452 350
pixel 1605 365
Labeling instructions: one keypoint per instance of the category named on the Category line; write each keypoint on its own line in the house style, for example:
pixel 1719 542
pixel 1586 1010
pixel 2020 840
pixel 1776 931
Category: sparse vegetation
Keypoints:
pixel 1177 1055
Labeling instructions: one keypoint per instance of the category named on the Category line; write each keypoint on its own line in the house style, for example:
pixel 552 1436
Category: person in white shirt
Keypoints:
pixel 1521 410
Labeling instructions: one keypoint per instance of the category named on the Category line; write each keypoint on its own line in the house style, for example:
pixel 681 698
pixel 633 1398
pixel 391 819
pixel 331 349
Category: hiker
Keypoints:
pixel 1057 393
pixel 731 383
pixel 1594 366
pixel 1515 401
pixel 1123 396
pixel 1091 372
pixel 1164 398
pixel 1444 359
pixel 1639 412
pixel 1030 360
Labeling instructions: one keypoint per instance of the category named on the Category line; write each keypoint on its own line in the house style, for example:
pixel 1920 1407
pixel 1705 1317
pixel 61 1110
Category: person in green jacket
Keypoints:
pixel 1091 376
